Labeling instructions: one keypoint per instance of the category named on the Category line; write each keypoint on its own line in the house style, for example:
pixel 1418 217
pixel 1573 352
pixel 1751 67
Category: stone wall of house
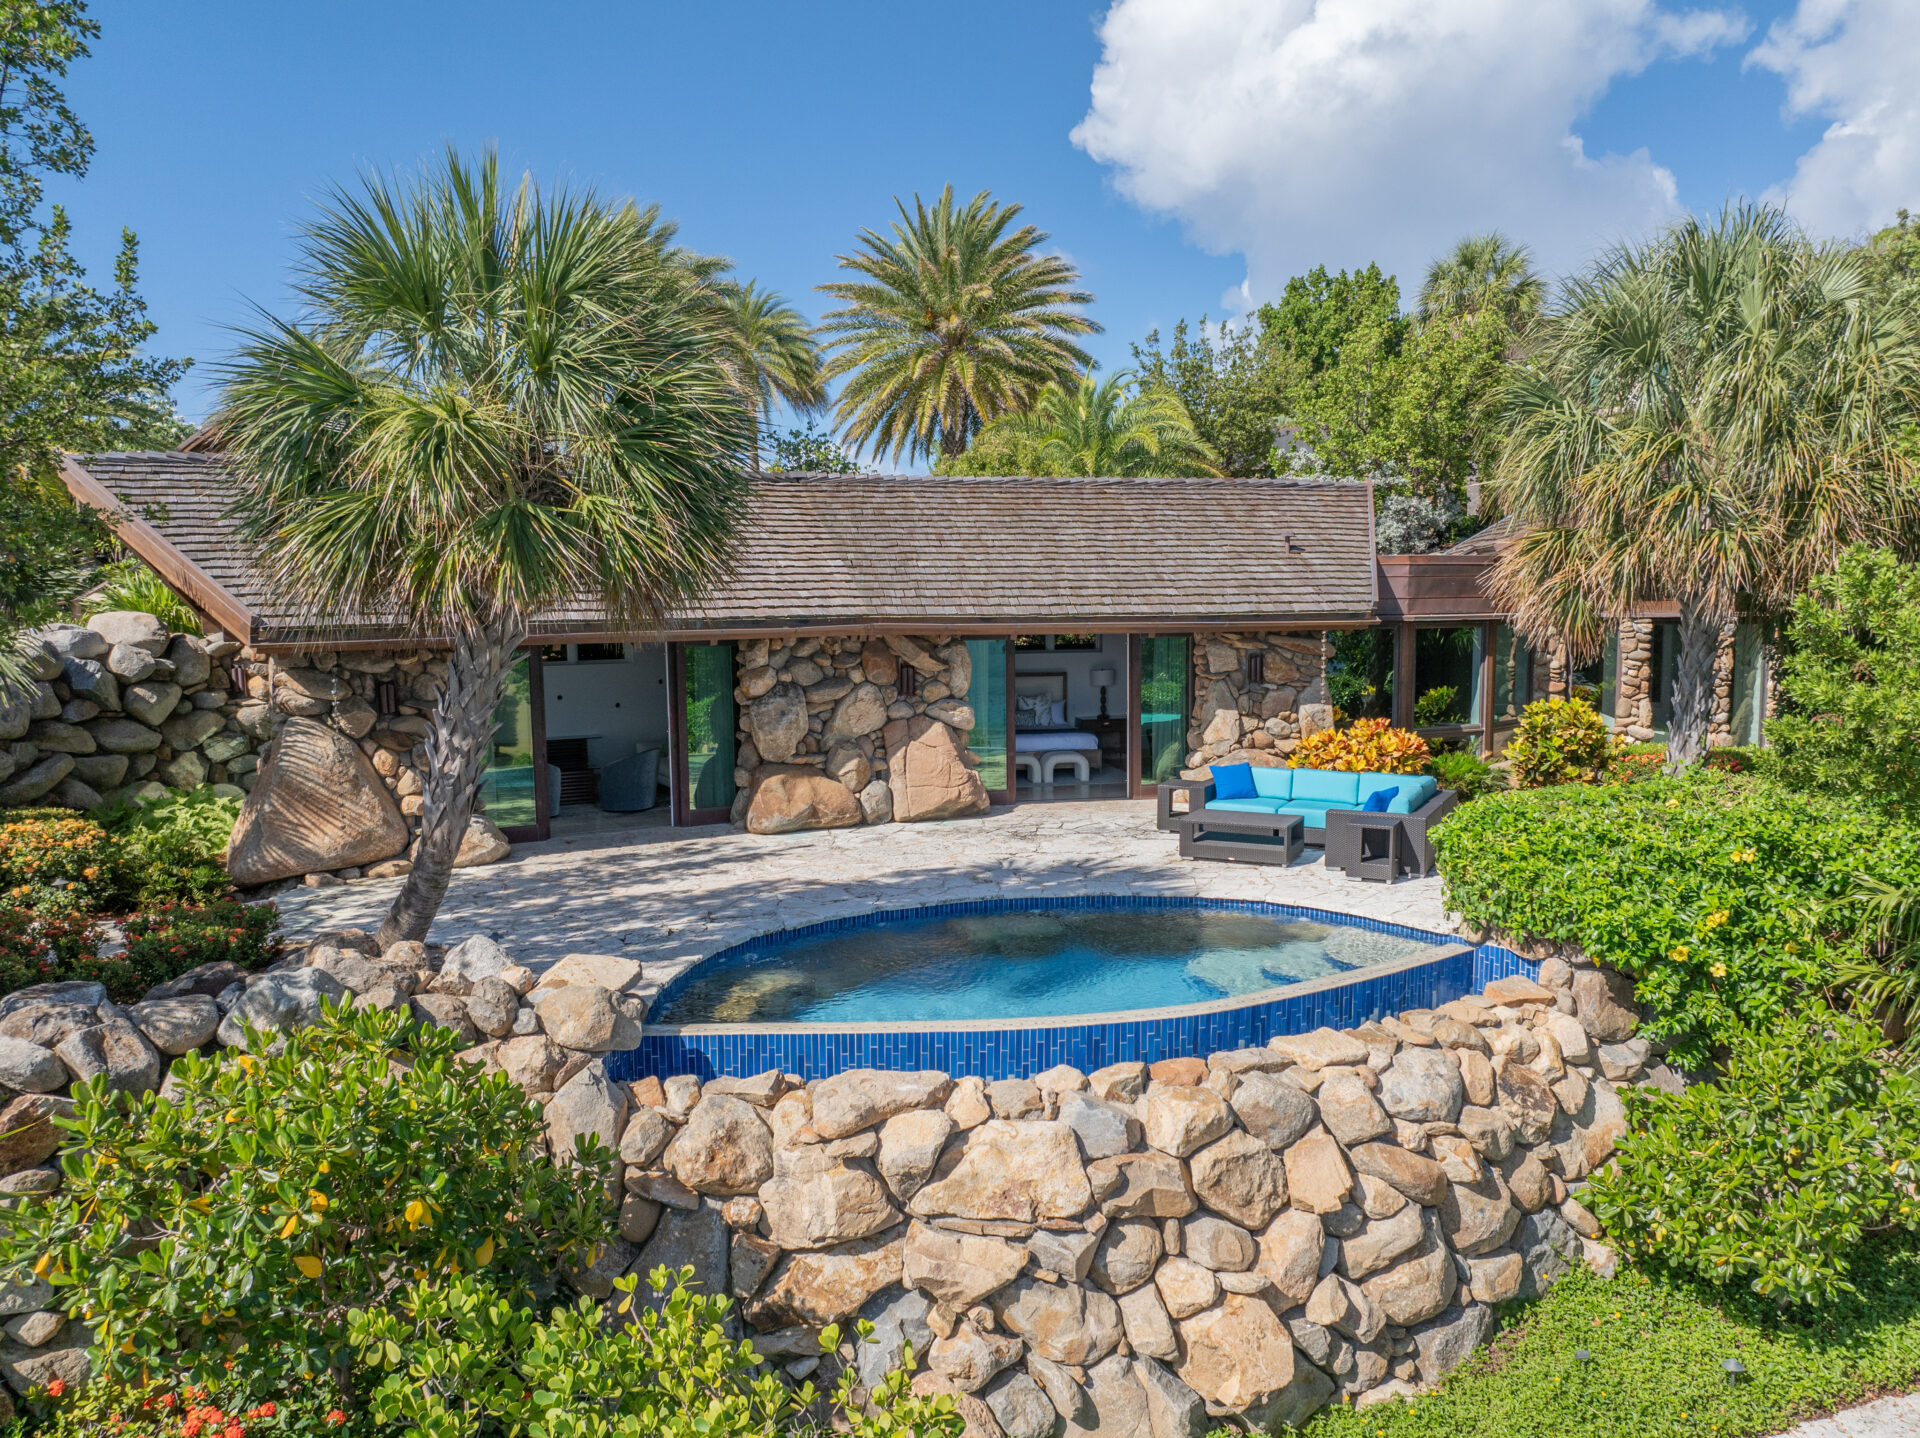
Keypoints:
pixel 1144 1249
pixel 1236 720
pixel 1634 704
pixel 122 709
pixel 828 740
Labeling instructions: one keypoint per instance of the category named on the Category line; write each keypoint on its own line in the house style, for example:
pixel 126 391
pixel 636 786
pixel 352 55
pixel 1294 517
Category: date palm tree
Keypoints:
pixel 1095 428
pixel 771 352
pixel 1483 272
pixel 1711 419
pixel 497 401
pixel 956 320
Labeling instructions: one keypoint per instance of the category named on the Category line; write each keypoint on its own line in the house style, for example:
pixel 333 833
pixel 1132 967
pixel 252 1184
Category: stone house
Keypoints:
pixel 908 647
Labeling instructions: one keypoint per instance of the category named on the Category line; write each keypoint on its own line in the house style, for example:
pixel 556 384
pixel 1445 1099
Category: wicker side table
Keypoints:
pixel 1367 846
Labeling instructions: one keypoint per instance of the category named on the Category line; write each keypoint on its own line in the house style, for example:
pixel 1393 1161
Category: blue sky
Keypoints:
pixel 1213 162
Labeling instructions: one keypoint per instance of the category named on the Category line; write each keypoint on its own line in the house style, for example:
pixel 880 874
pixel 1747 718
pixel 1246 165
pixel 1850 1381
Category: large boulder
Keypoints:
pixel 725 1148
pixel 1423 1086
pixel 1021 1171
pixel 116 1052
pixel 587 1017
pixel 1063 1322
pixel 815 1200
pixel 317 805
pixel 828 1286
pixel 278 1002
pixel 481 842
pixel 696 1238
pixel 960 1269
pixel 1238 1352
pixel 777 722
pixel 927 771
pixel 28 1068
pixel 862 710
pixel 130 626
pixel 789 798
pixel 1240 1177
pixel 860 1098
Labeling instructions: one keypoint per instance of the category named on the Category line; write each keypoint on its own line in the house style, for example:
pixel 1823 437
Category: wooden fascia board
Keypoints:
pixel 196 586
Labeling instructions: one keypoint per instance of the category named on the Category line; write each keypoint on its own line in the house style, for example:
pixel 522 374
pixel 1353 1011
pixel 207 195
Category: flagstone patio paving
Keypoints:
pixel 669 896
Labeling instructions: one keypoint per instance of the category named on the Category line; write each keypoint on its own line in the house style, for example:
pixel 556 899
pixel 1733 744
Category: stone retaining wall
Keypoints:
pixel 1236 720
pixel 828 739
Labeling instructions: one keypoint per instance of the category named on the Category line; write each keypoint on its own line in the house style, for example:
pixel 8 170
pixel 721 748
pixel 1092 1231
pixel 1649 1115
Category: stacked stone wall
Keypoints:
pixel 1236 720
pixel 829 737
pixel 1633 711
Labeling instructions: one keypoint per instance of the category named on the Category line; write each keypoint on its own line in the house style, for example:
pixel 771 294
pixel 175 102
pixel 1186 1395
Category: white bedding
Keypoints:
pixel 1042 741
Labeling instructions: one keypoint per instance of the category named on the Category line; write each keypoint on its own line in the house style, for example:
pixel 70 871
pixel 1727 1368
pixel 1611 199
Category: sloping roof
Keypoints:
pixel 1486 542
pixel 883 551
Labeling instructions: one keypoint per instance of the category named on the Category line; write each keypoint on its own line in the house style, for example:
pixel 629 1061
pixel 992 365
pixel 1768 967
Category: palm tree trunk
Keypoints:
pixel 458 751
pixel 1692 711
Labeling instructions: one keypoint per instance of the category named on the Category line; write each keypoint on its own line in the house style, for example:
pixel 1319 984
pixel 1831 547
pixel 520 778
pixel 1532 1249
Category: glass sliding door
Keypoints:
pixel 708 722
pixel 1162 698
pixel 514 789
pixel 987 697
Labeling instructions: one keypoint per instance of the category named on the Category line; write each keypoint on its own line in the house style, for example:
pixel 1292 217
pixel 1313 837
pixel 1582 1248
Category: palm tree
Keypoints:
pixel 497 401
pixel 1111 428
pixel 771 353
pixel 1483 272
pixel 1712 418
pixel 956 321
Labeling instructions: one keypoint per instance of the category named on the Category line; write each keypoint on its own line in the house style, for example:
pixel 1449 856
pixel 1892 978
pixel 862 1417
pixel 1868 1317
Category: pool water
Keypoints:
pixel 1020 965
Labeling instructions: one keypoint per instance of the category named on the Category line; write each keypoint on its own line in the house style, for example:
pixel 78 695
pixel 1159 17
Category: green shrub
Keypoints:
pixel 58 863
pixel 1559 741
pixel 1772 1176
pixel 1435 706
pixel 1849 685
pixel 276 1191
pixel 162 944
pixel 37 949
pixel 1732 758
pixel 459 1359
pixel 1708 890
pixel 129 584
pixel 175 846
pixel 1468 774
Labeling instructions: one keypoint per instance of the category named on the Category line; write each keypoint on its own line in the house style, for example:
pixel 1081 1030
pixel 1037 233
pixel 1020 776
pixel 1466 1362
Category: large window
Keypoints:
pixel 1598 682
pixel 1165 663
pixel 710 725
pixel 1360 673
pixel 1663 671
pixel 1446 666
pixel 1749 682
pixel 987 697
pixel 507 789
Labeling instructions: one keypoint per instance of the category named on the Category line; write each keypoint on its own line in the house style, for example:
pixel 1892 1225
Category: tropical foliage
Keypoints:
pixel 1710 419
pixel 1228 381
pixel 1483 272
pixel 1773 1175
pixel 1558 741
pixel 497 399
pixel 770 351
pixel 130 584
pixel 809 451
pixel 1366 746
pixel 1096 427
pixel 955 320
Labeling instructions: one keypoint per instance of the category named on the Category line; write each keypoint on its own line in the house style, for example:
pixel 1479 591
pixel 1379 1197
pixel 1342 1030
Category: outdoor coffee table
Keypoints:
pixel 1229 834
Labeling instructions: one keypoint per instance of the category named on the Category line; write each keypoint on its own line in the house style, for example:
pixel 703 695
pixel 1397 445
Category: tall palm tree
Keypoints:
pixel 1712 417
pixel 955 321
pixel 1100 428
pixel 771 352
pixel 1483 272
pixel 497 401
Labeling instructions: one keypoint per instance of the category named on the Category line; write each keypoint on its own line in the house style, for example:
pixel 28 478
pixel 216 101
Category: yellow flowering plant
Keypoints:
pixel 1366 746
pixel 53 862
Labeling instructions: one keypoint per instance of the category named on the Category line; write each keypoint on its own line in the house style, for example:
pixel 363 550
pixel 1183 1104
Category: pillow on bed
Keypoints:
pixel 1232 781
pixel 1059 713
pixel 1031 711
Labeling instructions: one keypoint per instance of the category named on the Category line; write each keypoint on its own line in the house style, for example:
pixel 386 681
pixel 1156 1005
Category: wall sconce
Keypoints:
pixel 386 696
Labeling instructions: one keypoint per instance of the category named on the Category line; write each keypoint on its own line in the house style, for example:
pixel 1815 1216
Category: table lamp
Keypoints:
pixel 1103 677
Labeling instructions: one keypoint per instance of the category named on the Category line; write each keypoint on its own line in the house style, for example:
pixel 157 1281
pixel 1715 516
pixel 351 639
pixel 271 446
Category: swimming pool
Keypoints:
pixel 1025 964
pixel 1436 967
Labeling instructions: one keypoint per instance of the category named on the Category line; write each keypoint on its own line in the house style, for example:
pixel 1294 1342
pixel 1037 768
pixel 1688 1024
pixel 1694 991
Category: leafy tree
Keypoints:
pixel 1891 259
pixel 1712 418
pixel 1849 685
pixel 49 549
pixel 1110 427
pixel 771 352
pixel 497 401
pixel 1318 315
pixel 956 321
pixel 1232 384
pixel 807 451
pixel 1481 273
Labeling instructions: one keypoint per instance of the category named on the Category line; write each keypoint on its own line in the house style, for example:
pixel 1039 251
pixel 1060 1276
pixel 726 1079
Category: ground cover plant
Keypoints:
pixel 1655 1347
pixel 54 862
pixel 174 846
pixel 276 1190
pixel 1712 892
pixel 1770 1176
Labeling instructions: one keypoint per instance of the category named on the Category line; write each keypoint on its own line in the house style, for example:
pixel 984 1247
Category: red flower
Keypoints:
pixel 190 1428
pixel 234 1430
pixel 265 1410
pixel 336 1417
pixel 56 1388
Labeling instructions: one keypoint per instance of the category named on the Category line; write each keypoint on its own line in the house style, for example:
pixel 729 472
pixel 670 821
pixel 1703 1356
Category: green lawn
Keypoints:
pixel 1657 1346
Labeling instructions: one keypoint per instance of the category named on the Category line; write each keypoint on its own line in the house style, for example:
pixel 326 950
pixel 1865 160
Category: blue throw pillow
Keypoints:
pixel 1378 800
pixel 1232 781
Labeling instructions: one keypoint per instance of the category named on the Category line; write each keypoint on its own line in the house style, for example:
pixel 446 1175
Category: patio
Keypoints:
pixel 668 897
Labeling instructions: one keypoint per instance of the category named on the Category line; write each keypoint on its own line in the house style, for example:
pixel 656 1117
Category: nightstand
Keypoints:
pixel 1112 733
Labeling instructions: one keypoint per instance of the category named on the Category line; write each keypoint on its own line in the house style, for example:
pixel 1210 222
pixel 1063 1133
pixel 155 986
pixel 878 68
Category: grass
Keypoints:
pixel 1657 1345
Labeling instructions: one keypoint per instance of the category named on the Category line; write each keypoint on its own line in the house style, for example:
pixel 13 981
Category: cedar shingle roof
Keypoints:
pixel 859 551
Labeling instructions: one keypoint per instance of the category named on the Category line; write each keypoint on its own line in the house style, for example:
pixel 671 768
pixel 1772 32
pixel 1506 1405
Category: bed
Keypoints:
pixel 1040 729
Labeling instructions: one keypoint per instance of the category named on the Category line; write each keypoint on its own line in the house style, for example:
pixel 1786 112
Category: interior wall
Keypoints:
pixel 617 705
pixel 1083 696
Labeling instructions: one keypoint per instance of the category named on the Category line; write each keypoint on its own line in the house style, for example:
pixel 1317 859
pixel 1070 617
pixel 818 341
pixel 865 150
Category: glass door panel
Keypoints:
pixel 710 726
pixel 1162 701
pixel 511 788
pixel 987 697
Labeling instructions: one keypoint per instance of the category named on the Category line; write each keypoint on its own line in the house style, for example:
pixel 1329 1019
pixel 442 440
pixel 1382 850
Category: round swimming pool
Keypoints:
pixel 957 964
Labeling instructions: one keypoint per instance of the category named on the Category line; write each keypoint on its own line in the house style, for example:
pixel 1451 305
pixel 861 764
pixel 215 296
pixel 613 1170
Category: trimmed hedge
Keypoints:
pixel 1707 890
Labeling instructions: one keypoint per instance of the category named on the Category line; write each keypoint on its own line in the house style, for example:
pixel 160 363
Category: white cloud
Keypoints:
pixel 1851 62
pixel 1302 132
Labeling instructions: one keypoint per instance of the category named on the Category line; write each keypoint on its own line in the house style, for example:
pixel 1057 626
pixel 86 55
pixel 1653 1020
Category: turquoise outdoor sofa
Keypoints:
pixel 1314 794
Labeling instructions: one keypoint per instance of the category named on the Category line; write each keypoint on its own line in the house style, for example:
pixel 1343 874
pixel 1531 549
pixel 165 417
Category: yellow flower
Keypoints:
pixel 1717 918
pixel 1744 856
pixel 1678 953
pixel 1719 971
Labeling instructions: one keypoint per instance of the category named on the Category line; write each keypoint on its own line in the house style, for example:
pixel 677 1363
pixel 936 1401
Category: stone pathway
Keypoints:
pixel 1886 1418
pixel 668 897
